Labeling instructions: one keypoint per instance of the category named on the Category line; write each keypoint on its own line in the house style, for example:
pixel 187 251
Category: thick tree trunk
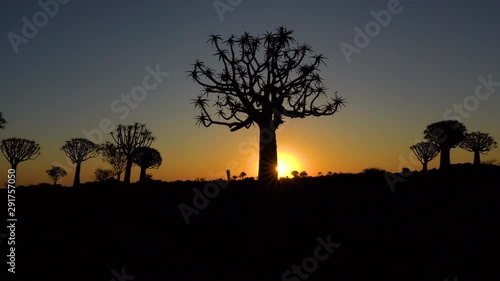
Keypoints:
pixel 268 158
pixel 477 158
pixel 424 168
pixel 267 216
pixel 142 178
pixel 76 181
pixel 128 170
pixel 445 158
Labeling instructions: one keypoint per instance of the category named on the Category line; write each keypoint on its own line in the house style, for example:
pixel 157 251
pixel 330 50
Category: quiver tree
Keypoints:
pixel 2 121
pixel 17 150
pixel 445 135
pixel 478 143
pixel 56 173
pixel 147 158
pixel 263 79
pixel 128 139
pixel 112 154
pixel 79 150
pixel 425 152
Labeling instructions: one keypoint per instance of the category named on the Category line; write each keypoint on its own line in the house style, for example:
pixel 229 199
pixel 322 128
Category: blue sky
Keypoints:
pixel 427 59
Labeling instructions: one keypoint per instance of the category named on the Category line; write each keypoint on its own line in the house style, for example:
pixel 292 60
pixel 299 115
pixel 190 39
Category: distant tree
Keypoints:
pixel 303 174
pixel 320 174
pixel 115 157
pixel 295 173
pixel 79 150
pixel 479 143
pixel 129 138
pixel 234 177
pixel 329 173
pixel 2 121
pixel 445 135
pixel 228 174
pixel 56 173
pixel 200 179
pixel 263 80
pixel 243 175
pixel 149 177
pixel 146 158
pixel 17 150
pixel 425 152
pixel 101 175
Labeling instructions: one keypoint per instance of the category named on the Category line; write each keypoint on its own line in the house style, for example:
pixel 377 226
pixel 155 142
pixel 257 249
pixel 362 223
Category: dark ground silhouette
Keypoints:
pixel 435 226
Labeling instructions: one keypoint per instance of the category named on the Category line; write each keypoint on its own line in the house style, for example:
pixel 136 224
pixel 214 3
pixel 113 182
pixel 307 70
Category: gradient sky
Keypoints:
pixel 64 80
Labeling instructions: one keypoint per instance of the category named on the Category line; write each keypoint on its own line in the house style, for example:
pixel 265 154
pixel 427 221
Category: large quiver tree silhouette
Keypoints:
pixel 147 158
pixel 478 143
pixel 445 135
pixel 79 150
pixel 263 79
pixel 129 138
pixel 17 150
pixel 425 152
pixel 115 157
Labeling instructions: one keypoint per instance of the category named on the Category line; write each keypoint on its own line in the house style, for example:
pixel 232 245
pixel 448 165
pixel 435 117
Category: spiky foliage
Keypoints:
pixel 425 152
pixel 263 80
pixel 147 158
pixel 17 150
pixel 115 157
pixel 128 139
pixel 2 121
pixel 445 135
pixel 80 150
pixel 479 143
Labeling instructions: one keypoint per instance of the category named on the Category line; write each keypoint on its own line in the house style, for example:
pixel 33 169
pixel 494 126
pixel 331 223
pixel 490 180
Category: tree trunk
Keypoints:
pixel 118 176
pixel 267 216
pixel 76 182
pixel 128 170
pixel 424 168
pixel 268 158
pixel 477 158
pixel 445 158
pixel 14 167
pixel 142 178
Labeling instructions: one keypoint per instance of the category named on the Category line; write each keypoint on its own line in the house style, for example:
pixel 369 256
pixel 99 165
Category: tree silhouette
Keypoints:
pixel 115 157
pixel 263 80
pixel 445 135
pixel 2 121
pixel 234 177
pixel 243 175
pixel 303 174
pixel 17 150
pixel 56 173
pixel 295 173
pixel 425 152
pixel 101 175
pixel 79 150
pixel 146 158
pixel 320 174
pixel 329 173
pixel 129 138
pixel 478 142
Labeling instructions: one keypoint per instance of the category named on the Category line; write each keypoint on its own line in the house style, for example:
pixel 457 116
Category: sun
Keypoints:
pixel 286 164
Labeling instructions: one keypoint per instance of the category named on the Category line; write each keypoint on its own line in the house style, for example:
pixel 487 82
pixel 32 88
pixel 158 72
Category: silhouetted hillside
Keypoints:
pixel 435 225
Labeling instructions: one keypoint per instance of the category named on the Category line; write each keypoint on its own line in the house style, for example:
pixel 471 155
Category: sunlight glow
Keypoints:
pixel 286 164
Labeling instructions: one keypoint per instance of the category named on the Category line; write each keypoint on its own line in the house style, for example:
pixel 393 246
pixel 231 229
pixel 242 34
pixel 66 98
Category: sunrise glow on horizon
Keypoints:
pixel 76 76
